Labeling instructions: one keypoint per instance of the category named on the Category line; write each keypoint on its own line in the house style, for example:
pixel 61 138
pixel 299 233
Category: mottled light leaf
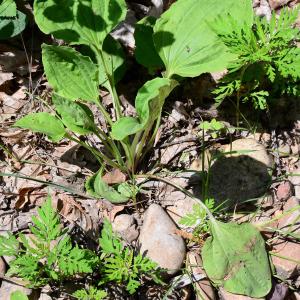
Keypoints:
pixel 8 8
pixel 79 21
pixel 10 27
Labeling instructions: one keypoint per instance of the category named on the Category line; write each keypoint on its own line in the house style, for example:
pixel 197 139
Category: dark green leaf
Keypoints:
pixel 145 52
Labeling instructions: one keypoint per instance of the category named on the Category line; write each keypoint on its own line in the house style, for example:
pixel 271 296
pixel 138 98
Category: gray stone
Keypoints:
pixel 241 174
pixel 158 240
pixel 125 225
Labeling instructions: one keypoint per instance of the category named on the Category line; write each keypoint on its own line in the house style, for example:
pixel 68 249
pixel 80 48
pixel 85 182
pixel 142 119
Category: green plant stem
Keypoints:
pixel 178 187
pixel 152 139
pixel 97 154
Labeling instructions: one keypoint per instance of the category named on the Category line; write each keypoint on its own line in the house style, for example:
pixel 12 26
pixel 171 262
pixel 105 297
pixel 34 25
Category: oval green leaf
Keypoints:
pixel 18 295
pixel 43 123
pixel 235 258
pixel 71 74
pixel 8 8
pixel 186 43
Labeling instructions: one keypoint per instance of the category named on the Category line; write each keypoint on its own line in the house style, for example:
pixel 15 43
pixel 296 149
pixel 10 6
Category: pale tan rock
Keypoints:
pixel 181 208
pixel 9 287
pixel 228 296
pixel 125 225
pixel 254 150
pixel 159 241
pixel 290 222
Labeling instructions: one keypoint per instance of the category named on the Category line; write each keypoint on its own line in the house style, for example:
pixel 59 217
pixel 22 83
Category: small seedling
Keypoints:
pixel 214 128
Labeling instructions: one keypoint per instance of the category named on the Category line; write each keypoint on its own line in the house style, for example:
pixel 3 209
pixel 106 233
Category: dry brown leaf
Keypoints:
pixel 114 176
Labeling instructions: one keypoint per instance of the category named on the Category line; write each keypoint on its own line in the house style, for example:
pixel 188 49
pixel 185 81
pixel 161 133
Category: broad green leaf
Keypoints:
pixel 43 123
pixel 71 74
pixel 76 116
pixel 186 43
pixel 8 8
pixel 18 295
pixel 145 52
pixel 96 187
pixel 10 27
pixel 235 258
pixel 148 103
pixel 79 21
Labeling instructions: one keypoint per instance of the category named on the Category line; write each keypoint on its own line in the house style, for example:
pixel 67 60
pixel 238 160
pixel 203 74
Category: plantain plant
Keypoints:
pixel 181 42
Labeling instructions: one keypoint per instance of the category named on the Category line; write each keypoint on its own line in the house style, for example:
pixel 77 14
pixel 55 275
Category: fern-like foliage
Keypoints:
pixel 120 264
pixel 198 217
pixel 91 293
pixel 49 255
pixel 267 60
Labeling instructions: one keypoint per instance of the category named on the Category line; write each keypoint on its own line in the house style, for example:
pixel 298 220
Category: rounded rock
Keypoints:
pixel 158 240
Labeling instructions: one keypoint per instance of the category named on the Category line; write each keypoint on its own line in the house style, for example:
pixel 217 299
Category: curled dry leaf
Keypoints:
pixel 26 195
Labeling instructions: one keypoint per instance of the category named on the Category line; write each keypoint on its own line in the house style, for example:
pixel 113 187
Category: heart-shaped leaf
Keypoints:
pixel 71 74
pixel 235 258
pixel 43 123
